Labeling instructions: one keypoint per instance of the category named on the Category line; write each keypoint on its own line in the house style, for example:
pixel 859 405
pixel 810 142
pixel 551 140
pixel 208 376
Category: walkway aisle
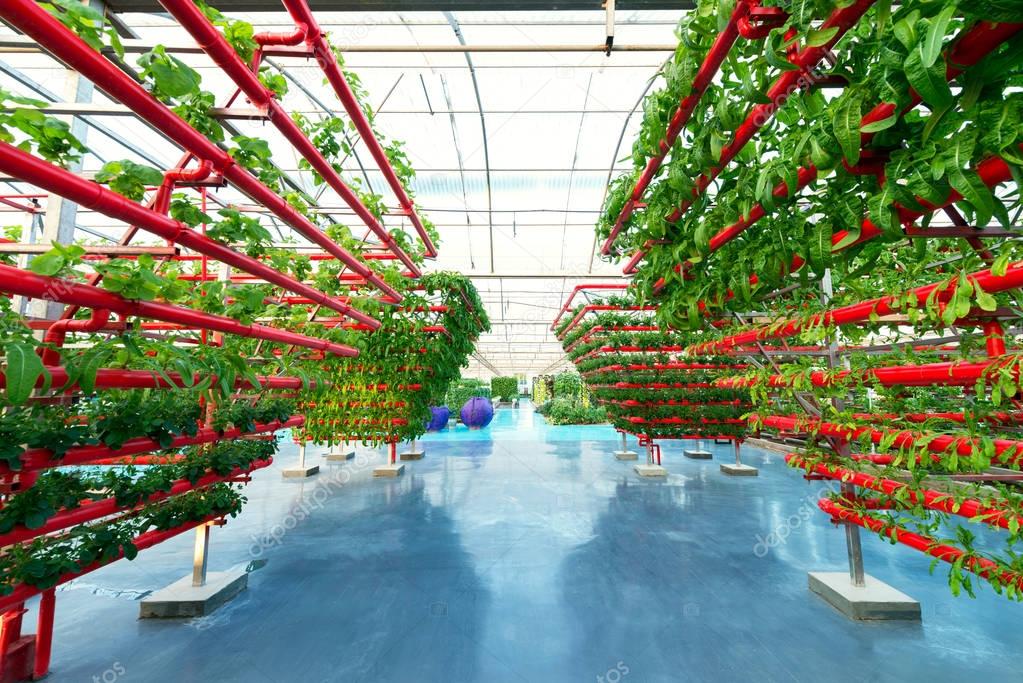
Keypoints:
pixel 527 553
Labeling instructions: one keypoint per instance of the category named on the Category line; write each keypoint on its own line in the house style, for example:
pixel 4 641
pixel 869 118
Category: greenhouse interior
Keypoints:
pixel 500 341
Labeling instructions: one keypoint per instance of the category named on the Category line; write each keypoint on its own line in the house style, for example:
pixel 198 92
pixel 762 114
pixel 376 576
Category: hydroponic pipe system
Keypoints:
pixel 98 509
pixel 704 76
pixel 314 38
pixel 144 379
pixel 940 292
pixel 35 459
pixel 34 21
pixel 220 51
pixel 23 283
pixel 50 177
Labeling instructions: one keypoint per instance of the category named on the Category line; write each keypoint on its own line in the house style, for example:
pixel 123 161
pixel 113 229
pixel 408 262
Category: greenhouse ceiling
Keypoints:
pixel 514 135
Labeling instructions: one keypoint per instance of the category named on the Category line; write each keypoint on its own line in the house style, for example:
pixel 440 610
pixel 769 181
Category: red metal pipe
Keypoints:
pixel 863 311
pixel 977 565
pixel 220 51
pixel 932 500
pixel 40 458
pixel 584 288
pixel 145 379
pixel 842 19
pixel 44 633
pixel 24 283
pixel 43 174
pixel 57 332
pixel 600 307
pixel 1007 453
pixel 956 373
pixel 34 21
pixel 93 510
pixel 147 540
pixel 317 42
pixel 716 55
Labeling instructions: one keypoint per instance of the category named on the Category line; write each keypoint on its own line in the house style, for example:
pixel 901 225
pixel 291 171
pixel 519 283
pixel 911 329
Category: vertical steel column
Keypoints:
pixel 854 549
pixel 201 555
pixel 624 445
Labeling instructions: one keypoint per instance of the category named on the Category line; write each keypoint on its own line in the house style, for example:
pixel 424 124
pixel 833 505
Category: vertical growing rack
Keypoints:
pixel 181 352
pixel 851 260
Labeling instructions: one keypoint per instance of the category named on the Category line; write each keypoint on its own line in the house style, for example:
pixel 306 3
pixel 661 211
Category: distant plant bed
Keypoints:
pixel 562 411
pixel 504 388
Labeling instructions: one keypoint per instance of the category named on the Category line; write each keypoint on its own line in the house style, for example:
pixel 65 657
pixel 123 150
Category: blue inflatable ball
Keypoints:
pixel 439 416
pixel 477 413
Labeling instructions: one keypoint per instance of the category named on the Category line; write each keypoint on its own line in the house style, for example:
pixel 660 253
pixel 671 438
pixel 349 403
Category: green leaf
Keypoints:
pixel 878 126
pixel 936 34
pixel 819 37
pixel 929 82
pixel 24 368
pixel 847 126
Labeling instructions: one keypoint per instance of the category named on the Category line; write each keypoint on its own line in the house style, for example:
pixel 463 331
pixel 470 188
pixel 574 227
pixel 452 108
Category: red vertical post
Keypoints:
pixel 10 631
pixel 44 633
pixel 995 338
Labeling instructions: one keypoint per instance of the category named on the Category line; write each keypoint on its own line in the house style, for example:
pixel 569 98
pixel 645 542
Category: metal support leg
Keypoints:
pixel 854 550
pixel 200 556
pixel 301 455
pixel 738 446
pixel 625 446
pixel 44 633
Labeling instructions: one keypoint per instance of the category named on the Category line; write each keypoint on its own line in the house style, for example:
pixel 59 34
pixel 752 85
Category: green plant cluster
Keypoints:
pixel 398 364
pixel 649 389
pixel 504 388
pixel 563 411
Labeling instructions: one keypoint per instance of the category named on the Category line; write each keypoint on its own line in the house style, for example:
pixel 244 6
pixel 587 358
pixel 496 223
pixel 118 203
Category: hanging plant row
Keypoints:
pixel 177 360
pixel 854 233
pixel 636 372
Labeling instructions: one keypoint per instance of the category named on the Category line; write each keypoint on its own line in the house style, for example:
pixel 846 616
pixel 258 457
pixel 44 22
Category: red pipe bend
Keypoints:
pixel 57 332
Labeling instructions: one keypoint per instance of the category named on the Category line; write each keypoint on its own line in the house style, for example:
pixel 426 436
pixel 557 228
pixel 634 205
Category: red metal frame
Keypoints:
pixel 34 21
pixel 24 283
pixel 48 176
pixel 314 38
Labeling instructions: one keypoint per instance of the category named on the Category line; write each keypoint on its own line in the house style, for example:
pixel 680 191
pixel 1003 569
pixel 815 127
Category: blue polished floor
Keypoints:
pixel 527 553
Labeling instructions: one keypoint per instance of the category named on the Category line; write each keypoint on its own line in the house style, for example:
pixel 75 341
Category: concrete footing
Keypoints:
pixel 625 455
pixel 339 456
pixel 650 471
pixel 182 599
pixel 301 472
pixel 697 455
pixel 737 470
pixel 875 601
pixel 389 471
pixel 412 455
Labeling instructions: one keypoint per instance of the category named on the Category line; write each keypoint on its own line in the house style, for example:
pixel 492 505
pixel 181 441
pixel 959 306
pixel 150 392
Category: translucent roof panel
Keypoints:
pixel 515 206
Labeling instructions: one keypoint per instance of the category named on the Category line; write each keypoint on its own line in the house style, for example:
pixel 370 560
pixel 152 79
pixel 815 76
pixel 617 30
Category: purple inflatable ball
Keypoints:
pixel 477 413
pixel 439 416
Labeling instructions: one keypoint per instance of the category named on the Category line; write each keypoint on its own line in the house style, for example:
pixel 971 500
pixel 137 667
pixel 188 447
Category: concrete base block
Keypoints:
pixel 389 471
pixel 739 470
pixel 182 599
pixel 339 456
pixel 301 472
pixel 625 455
pixel 650 471
pixel 875 601
pixel 698 455
pixel 412 455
